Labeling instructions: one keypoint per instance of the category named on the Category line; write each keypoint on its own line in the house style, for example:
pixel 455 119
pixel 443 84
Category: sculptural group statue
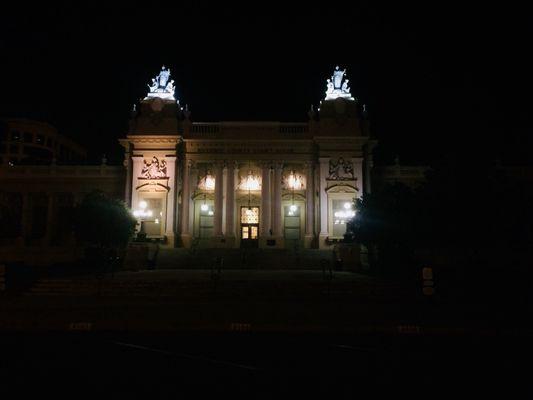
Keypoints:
pixel 340 170
pixel 337 86
pixel 154 169
pixel 161 86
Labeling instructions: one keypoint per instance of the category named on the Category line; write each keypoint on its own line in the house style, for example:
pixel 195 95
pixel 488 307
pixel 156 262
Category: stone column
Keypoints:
pixel 219 186
pixel 310 205
pixel 324 173
pixel 276 218
pixel 265 222
pixel 128 166
pixel 171 195
pixel 230 203
pixel 137 168
pixel 185 199
pixel 193 186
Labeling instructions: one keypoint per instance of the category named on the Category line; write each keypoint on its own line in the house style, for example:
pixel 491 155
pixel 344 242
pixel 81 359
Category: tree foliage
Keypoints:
pixel 103 221
pixel 470 207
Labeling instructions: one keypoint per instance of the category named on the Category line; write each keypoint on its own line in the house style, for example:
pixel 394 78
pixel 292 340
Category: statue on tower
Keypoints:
pixel 161 87
pixel 336 87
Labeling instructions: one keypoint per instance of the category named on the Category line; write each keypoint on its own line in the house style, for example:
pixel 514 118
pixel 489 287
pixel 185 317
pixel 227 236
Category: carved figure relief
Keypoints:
pixel 341 170
pixel 154 170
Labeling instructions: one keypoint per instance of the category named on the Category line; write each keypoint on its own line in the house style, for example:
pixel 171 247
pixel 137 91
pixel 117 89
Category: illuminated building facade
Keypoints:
pixel 247 184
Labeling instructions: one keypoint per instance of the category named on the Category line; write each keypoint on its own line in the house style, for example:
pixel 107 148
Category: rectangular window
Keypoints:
pixel 253 234
pixel 342 213
pixel 207 220
pixel 292 222
pixel 249 215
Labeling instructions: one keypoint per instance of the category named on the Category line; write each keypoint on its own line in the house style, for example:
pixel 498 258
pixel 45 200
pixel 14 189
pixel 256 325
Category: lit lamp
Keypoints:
pixel 141 213
pixel 293 183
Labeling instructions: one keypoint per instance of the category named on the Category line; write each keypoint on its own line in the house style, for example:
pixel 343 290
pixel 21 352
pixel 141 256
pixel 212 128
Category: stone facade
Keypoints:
pixel 241 184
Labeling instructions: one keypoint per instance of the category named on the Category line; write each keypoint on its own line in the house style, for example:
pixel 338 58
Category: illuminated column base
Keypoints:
pixel 186 240
pixel 322 245
pixel 309 241
pixel 171 240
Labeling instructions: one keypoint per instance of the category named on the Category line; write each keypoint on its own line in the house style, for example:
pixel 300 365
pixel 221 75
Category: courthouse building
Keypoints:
pixel 223 184
pixel 247 184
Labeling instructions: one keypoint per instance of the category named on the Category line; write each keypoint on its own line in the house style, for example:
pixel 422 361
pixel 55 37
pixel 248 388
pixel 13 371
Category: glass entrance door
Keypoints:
pixel 249 226
pixel 292 225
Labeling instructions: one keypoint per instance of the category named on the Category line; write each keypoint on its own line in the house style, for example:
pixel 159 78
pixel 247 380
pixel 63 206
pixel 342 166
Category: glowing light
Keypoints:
pixel 295 182
pixel 204 207
pixel 293 208
pixel 337 86
pixel 162 86
pixel 210 213
pixel 344 214
pixel 347 206
pixel 156 220
pixel 141 213
pixel 207 182
pixel 251 182
pixel 143 204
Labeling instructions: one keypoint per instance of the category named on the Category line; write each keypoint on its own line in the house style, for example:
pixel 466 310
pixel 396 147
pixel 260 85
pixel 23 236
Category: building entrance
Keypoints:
pixel 292 225
pixel 249 227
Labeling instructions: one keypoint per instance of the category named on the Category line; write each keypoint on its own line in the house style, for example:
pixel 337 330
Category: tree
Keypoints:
pixel 385 224
pixel 103 224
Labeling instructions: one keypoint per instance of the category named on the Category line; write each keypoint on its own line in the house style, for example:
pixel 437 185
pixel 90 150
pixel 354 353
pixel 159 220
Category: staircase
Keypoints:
pixel 260 259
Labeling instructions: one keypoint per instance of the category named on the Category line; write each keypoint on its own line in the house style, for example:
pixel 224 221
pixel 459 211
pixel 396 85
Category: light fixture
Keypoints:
pixel 294 182
pixel 293 208
pixel 143 204
pixel 347 206
pixel 251 182
pixel 156 220
pixel 204 207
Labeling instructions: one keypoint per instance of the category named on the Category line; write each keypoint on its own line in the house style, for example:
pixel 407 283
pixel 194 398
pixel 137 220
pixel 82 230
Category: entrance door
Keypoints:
pixel 249 227
pixel 292 225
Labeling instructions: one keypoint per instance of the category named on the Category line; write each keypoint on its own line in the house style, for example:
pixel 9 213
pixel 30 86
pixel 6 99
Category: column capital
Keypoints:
pixel 265 164
pixel 278 165
pixel 231 164
pixel 218 164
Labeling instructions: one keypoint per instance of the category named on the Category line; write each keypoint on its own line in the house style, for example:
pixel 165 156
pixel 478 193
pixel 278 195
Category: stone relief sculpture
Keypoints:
pixel 336 87
pixel 341 170
pixel 154 170
pixel 161 87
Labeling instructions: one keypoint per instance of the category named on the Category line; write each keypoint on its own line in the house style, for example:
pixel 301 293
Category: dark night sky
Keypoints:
pixel 435 78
